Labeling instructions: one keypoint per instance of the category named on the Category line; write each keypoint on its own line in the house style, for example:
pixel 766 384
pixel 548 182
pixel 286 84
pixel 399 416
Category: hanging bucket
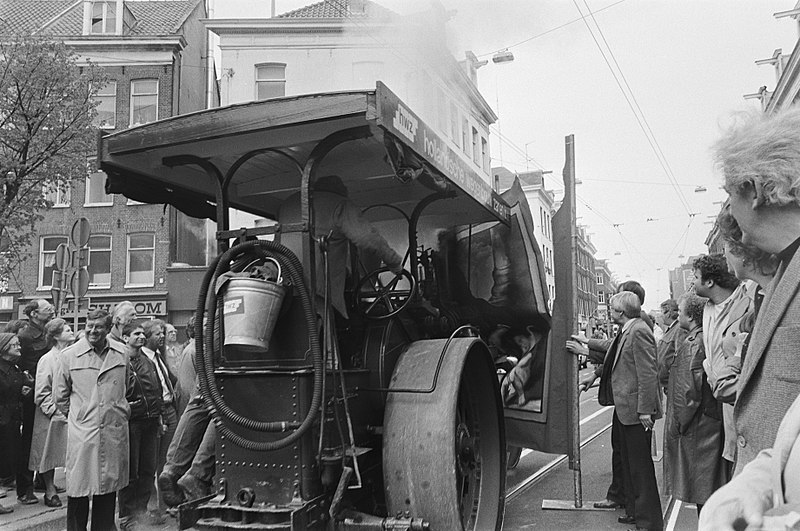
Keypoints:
pixel 251 307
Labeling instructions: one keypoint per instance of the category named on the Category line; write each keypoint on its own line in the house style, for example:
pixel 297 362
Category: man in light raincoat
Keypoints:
pixel 90 391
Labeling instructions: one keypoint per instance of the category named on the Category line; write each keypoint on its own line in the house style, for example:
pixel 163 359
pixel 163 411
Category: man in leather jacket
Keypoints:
pixel 144 396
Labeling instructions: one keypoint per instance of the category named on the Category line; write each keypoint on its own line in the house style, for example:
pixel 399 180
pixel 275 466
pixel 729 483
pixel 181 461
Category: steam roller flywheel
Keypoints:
pixel 444 451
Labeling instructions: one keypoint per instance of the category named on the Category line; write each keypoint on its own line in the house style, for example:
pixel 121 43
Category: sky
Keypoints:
pixel 684 66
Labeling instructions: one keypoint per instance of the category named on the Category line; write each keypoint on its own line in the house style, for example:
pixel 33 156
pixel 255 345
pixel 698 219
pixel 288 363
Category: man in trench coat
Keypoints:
pixel 90 391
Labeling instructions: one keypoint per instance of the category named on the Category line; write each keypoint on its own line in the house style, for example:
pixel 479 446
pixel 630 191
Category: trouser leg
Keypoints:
pixel 77 513
pixel 24 475
pixel 103 506
pixel 188 436
pixel 127 496
pixel 641 477
pixel 148 461
pixel 204 461
pixel 616 491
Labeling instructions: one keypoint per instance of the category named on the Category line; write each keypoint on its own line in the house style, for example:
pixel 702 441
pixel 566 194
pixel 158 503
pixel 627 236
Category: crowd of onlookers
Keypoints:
pixel 726 357
pixel 103 403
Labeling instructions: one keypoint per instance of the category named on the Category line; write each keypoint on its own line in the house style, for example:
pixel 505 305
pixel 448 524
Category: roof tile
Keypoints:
pixel 153 18
pixel 340 9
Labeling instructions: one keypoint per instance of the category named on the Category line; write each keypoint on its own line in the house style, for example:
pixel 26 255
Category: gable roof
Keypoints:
pixel 340 9
pixel 65 17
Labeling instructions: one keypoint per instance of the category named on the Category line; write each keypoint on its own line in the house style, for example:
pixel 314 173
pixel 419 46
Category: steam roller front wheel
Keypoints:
pixel 444 451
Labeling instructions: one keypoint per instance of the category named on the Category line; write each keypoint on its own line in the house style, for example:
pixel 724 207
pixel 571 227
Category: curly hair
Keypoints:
pixel 752 256
pixel 693 305
pixel 763 151
pixel 714 267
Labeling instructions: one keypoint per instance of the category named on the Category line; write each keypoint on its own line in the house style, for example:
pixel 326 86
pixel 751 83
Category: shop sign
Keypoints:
pixel 397 118
pixel 144 308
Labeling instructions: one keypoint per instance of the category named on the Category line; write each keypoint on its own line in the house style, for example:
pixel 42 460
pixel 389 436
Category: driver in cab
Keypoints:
pixel 340 220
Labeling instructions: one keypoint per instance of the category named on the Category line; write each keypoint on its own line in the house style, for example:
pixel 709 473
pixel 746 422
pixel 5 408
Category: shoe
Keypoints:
pixel 193 488
pixel 27 499
pixel 128 523
pixel 6 510
pixel 3 492
pixel 626 519
pixel 608 504
pixel 171 493
pixel 53 501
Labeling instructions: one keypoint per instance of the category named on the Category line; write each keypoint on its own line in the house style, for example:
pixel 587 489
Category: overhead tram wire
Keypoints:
pixel 670 174
pixel 551 30
pixel 639 116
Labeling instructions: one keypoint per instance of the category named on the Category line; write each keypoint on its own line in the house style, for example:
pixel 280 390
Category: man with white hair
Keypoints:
pixel 124 314
pixel 760 158
pixel 629 382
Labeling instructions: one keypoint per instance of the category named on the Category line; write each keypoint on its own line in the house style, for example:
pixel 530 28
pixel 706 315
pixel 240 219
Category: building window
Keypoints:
pixel 104 17
pixel 601 297
pixel 96 190
pixel 465 145
pixel 144 101
pixel 59 195
pixel 106 99
pixel 598 278
pixel 476 155
pixel 271 80
pixel 485 154
pixel 141 261
pixel 454 124
pixel 47 259
pixel 100 261
pixel 194 240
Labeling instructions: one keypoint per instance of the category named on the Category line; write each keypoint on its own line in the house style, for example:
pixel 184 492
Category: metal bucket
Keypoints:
pixel 250 309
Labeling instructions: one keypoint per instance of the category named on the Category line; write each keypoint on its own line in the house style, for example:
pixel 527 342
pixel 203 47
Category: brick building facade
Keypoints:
pixel 155 56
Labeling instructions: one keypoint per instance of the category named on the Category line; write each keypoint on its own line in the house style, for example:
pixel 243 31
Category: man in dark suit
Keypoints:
pixel 760 158
pixel 629 382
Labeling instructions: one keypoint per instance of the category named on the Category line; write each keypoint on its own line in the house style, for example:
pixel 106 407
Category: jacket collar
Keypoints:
pixel 780 293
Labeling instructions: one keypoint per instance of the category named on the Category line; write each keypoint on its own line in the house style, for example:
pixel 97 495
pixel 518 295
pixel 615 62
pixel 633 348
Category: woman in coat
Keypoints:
pixel 90 390
pixel 13 386
pixel 49 447
pixel 694 434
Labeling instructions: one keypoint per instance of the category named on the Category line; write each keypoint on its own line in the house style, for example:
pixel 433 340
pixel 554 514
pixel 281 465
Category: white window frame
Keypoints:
pixel 598 278
pixel 105 29
pixel 128 283
pixel 98 250
pixel 104 95
pixel 269 80
pixel 42 255
pixel 87 196
pixel 135 94
pixel 475 146
pixel 485 154
pixel 60 198
pixel 601 297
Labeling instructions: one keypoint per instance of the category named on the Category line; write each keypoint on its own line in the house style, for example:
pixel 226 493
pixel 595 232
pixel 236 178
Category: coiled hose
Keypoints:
pixel 204 327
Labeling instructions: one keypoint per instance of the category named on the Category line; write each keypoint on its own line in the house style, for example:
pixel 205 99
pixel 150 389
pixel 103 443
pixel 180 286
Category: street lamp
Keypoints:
pixel 503 56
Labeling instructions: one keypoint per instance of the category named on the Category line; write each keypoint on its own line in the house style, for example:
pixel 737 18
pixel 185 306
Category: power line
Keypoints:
pixel 634 106
pixel 551 30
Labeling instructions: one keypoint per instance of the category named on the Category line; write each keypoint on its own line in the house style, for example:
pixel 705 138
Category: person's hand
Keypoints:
pixel 734 504
pixel 580 338
pixel 26 390
pixel 28 378
pixel 647 422
pixel 396 269
pixel 163 429
pixel 58 416
pixel 586 382
pixel 577 348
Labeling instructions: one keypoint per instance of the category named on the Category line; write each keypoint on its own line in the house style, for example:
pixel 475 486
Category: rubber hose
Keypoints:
pixel 204 344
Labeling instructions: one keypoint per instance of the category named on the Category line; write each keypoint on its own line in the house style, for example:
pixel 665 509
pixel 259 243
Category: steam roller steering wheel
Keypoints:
pixel 379 298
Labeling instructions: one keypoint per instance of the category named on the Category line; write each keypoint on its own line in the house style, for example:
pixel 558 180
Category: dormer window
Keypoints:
pixel 104 17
